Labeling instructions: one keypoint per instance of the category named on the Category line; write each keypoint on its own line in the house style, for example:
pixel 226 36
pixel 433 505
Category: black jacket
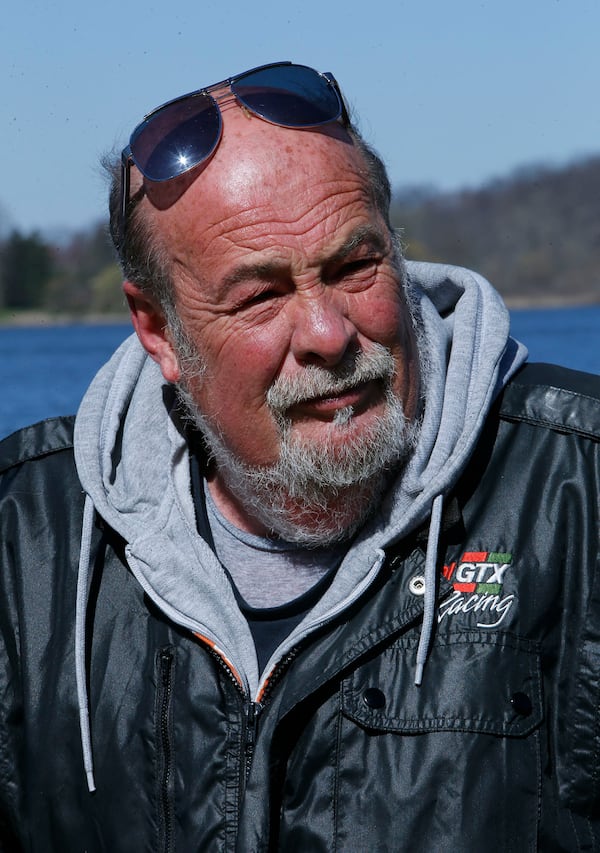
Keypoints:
pixel 497 750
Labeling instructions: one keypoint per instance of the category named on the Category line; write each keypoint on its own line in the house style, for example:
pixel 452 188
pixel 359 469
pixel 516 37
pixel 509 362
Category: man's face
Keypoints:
pixel 281 262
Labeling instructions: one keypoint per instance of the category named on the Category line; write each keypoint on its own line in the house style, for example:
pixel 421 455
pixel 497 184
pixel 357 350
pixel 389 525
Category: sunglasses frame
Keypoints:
pixel 127 156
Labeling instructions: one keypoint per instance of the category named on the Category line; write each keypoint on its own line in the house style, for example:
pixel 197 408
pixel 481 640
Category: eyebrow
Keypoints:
pixel 265 270
pixel 365 234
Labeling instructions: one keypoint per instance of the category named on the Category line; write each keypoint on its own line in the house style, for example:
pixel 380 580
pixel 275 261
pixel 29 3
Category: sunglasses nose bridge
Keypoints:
pixel 225 98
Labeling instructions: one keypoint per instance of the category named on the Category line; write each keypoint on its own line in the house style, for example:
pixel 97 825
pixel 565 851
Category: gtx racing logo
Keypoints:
pixel 478 580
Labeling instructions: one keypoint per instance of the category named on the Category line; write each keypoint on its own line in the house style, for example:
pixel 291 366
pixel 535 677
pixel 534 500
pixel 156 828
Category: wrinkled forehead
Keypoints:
pixel 269 187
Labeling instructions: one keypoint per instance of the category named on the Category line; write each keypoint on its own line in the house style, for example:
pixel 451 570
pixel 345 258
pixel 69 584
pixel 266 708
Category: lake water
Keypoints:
pixel 45 370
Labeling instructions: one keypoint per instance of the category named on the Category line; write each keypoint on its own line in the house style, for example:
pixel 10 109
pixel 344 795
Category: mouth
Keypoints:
pixel 359 397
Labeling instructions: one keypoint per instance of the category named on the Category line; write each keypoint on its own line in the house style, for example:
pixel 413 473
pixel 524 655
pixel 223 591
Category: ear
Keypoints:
pixel 151 328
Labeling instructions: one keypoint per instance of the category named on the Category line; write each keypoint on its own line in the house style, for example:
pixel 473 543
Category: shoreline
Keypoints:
pixel 553 301
pixel 35 319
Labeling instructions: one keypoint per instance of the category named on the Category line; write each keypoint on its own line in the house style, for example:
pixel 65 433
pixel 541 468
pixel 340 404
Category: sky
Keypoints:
pixel 451 94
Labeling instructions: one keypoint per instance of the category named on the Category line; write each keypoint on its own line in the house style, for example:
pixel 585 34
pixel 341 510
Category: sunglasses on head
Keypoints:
pixel 185 132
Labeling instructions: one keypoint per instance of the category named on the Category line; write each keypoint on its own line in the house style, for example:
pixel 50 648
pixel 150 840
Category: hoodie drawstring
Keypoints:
pixel 430 586
pixel 80 618
pixel 81 610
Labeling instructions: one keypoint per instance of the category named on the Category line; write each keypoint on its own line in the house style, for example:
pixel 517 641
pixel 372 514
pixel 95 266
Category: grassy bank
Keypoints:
pixel 47 318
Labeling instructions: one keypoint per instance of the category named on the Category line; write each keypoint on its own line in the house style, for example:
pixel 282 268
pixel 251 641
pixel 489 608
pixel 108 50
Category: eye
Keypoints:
pixel 358 271
pixel 257 299
pixel 262 297
pixel 361 265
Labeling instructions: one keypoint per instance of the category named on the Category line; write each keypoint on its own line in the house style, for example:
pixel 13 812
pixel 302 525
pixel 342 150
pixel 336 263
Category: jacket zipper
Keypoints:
pixel 166 660
pixel 253 709
pixel 276 674
pixel 252 712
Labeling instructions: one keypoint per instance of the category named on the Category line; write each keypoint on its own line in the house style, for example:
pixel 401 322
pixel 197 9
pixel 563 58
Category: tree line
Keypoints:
pixel 534 234
pixel 77 276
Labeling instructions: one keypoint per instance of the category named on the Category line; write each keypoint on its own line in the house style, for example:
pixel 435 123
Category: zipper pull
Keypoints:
pixel 254 709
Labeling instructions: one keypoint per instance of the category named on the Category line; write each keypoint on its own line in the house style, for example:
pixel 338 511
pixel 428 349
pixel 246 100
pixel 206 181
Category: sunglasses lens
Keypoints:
pixel 289 95
pixel 176 137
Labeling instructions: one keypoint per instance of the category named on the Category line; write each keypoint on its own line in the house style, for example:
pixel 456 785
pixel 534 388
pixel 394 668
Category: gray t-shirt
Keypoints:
pixel 268 572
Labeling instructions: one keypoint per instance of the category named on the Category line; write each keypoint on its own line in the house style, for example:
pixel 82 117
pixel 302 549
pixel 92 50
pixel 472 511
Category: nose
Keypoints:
pixel 321 333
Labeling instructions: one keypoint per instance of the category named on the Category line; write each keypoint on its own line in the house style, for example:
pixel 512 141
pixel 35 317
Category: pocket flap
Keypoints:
pixel 473 682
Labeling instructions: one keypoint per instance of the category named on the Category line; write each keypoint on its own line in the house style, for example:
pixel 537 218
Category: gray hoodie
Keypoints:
pixel 133 464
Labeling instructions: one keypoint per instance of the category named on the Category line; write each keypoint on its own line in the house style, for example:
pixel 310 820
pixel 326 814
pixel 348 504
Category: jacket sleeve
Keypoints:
pixel 36 476
pixel 566 404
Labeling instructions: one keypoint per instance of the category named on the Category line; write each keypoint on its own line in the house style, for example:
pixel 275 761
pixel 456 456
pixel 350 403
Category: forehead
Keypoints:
pixel 266 185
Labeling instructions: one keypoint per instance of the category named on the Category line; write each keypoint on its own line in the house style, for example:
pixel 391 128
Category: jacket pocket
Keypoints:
pixel 454 764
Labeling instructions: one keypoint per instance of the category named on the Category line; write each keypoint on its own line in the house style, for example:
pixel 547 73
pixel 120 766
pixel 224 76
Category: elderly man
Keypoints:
pixel 316 569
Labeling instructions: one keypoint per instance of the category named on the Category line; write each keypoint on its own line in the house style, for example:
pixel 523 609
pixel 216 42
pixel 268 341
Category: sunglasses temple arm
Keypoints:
pixel 345 116
pixel 125 187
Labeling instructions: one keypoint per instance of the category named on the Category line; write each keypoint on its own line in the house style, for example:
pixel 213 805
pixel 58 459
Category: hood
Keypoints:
pixel 133 464
pixel 470 358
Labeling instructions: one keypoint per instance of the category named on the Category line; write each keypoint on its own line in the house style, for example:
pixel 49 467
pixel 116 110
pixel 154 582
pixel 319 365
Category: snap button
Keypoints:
pixel 417 585
pixel 521 703
pixel 374 698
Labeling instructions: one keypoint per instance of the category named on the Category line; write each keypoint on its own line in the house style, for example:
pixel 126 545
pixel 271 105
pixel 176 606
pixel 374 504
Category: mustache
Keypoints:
pixel 376 363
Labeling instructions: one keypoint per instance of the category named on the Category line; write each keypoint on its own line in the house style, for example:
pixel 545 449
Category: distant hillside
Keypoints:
pixel 535 234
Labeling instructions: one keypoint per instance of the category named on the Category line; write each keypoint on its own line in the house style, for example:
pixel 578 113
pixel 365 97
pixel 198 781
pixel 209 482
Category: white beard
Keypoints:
pixel 318 491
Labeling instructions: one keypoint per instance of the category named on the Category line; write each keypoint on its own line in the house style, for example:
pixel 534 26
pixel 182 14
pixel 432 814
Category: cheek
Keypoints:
pixel 247 360
pixel 236 356
pixel 232 392
pixel 383 317
pixel 386 320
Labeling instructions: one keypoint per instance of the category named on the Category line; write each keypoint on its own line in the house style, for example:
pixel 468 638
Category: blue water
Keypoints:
pixel 567 336
pixel 44 371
